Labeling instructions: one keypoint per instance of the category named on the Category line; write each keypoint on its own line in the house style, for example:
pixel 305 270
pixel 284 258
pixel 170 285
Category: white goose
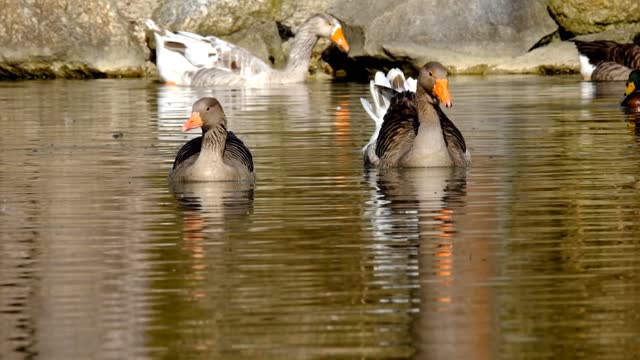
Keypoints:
pixel 411 129
pixel 185 58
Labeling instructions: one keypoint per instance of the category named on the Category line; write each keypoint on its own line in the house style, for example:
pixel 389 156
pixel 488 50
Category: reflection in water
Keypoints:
pixel 533 252
pixel 211 204
pixel 418 210
pixel 207 212
pixel 71 269
pixel 174 105
pixel 590 90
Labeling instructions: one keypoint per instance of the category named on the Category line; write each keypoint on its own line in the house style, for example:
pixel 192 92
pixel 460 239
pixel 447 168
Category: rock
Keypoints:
pixel 66 38
pixel 465 35
pixel 77 38
pixel 263 41
pixel 216 17
pixel 581 17
pixel 135 12
pixel 620 34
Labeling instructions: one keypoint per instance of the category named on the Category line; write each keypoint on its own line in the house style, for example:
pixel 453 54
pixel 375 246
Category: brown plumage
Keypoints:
pixel 415 132
pixel 217 155
pixel 607 60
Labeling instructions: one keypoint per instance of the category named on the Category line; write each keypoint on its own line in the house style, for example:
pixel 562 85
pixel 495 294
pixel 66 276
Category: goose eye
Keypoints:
pixel 208 109
pixel 430 73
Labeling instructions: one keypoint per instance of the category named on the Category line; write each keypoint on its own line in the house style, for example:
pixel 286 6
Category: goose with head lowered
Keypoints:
pixel 185 58
pixel 605 60
pixel 217 155
pixel 411 128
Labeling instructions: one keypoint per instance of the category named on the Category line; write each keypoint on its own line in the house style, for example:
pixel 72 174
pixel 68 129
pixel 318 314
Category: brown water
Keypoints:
pixel 532 253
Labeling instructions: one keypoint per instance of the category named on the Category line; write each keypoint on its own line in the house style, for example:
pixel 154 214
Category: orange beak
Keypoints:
pixel 441 89
pixel 337 36
pixel 195 121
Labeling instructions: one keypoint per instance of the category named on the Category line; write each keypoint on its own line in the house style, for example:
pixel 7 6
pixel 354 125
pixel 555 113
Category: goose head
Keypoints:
pixel 329 27
pixel 433 80
pixel 206 113
pixel 633 83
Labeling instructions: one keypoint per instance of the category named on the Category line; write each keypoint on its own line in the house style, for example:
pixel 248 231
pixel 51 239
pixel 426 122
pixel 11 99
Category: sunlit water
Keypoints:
pixel 532 253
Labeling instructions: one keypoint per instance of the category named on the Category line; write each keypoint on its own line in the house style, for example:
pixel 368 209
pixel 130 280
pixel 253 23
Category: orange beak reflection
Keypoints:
pixel 441 89
pixel 337 37
pixel 195 121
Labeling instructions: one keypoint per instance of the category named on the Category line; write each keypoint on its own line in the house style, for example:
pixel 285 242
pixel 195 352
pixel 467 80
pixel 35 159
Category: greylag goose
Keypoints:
pixel 184 58
pixel 605 60
pixel 632 93
pixel 411 129
pixel 217 155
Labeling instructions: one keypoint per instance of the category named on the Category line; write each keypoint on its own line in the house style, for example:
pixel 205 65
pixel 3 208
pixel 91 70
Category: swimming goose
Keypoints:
pixel 411 129
pixel 217 155
pixel 632 93
pixel 184 58
pixel 605 60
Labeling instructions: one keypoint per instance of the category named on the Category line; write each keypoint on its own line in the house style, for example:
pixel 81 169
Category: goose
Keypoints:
pixel 217 155
pixel 185 58
pixel 632 93
pixel 411 129
pixel 605 60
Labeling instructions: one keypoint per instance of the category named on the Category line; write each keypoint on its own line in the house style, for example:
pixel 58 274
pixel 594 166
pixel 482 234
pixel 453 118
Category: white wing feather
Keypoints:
pixel 189 53
pixel 394 79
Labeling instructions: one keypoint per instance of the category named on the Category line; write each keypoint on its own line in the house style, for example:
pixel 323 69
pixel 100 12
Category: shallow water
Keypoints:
pixel 534 252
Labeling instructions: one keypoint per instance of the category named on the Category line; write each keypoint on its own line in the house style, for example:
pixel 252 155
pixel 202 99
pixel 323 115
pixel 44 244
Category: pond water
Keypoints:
pixel 534 252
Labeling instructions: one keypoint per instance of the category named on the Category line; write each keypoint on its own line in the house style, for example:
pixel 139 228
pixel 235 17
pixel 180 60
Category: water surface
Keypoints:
pixel 534 252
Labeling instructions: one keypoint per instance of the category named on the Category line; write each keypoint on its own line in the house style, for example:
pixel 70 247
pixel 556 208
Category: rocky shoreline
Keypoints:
pixel 107 38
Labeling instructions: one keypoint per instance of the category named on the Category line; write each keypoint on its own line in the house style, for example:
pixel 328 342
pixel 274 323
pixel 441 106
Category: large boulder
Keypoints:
pixel 469 36
pixel 67 38
pixel 580 17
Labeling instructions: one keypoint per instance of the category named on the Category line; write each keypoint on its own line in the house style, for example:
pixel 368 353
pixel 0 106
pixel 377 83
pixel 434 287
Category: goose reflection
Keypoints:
pixel 419 209
pixel 208 209
pixel 420 200
pixel 604 89
pixel 212 204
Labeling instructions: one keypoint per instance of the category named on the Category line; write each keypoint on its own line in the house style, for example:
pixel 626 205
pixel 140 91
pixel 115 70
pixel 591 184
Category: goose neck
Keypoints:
pixel 300 51
pixel 426 106
pixel 214 139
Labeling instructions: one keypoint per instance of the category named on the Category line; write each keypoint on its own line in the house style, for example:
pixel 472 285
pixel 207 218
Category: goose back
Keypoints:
pixel 604 54
pixel 610 71
pixel 191 148
pixel 236 153
pixel 400 128
pixel 605 50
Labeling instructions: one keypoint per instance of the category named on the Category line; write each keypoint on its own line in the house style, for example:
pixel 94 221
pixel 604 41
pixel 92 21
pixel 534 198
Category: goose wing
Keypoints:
pixel 188 150
pixel 610 71
pixel 206 52
pixel 235 152
pixel 235 59
pixel 211 76
pixel 456 145
pixel 610 51
pixel 399 128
